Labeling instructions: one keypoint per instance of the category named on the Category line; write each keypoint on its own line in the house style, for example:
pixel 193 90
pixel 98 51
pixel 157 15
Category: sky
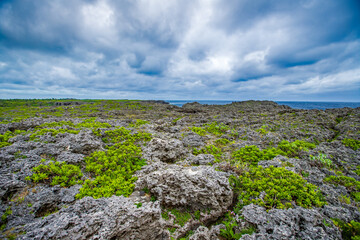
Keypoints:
pixel 281 50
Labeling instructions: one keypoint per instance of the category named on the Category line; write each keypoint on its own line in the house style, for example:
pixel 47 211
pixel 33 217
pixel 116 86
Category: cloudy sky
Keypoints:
pixel 169 49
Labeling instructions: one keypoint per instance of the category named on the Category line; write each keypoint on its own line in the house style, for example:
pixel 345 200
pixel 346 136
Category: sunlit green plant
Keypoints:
pixel 351 143
pixel 323 159
pixel 57 173
pixel 209 149
pixel 281 188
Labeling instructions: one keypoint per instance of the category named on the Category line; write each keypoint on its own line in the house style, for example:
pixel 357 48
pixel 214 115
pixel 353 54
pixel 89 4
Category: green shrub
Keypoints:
pixel 138 123
pixel 181 217
pixel 7 212
pixel 4 138
pixel 344 199
pixel 357 171
pixel 55 124
pixel 198 130
pixel 351 143
pixel 209 149
pixel 349 231
pixel 222 142
pixel 53 132
pixel 123 134
pixel 230 223
pixel 57 173
pixel 294 148
pixel 281 187
pixel 112 171
pixel 263 130
pixel 216 128
pixel 350 183
pixel 322 158
pixel 252 154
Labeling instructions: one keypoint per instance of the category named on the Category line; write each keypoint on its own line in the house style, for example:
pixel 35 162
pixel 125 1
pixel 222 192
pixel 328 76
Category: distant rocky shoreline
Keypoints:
pixel 108 169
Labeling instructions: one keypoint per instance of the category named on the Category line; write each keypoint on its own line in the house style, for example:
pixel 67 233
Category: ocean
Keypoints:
pixel 295 105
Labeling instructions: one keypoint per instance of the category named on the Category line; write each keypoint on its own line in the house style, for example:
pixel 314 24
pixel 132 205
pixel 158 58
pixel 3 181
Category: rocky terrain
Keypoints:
pixel 91 169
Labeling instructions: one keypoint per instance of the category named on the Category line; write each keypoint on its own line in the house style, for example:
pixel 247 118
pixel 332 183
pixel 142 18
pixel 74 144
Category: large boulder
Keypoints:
pixel 104 218
pixel 189 187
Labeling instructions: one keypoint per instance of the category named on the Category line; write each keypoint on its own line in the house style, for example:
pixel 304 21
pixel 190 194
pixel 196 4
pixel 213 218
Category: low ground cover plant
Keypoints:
pixel 53 132
pixel 350 183
pixel 230 223
pixel 282 189
pixel 323 159
pixel 349 231
pixel 209 149
pixel 252 154
pixel 57 173
pixel 4 138
pixel 112 171
pixel 351 143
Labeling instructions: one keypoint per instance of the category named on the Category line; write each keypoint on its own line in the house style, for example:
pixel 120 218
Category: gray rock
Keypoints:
pixel 203 159
pixel 203 233
pixel 288 224
pixel 165 151
pixel 104 218
pixel 337 212
pixel 189 187
pixel 9 186
pixel 193 140
pixel 72 158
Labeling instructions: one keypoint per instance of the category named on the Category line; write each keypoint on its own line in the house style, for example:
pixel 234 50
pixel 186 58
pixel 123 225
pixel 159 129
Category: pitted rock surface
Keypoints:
pixel 292 224
pixel 166 151
pixel 189 187
pixel 104 218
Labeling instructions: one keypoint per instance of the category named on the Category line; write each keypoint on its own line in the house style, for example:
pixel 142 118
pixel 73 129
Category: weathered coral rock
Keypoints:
pixel 104 218
pixel 165 151
pixel 189 187
pixel 299 223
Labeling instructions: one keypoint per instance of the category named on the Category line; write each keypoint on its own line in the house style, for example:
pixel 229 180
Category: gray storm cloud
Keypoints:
pixel 279 50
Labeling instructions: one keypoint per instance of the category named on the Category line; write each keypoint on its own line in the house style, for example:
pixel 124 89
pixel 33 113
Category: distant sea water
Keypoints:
pixel 295 105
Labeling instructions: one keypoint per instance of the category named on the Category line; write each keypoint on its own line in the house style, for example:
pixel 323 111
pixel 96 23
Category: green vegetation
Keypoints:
pixel 348 182
pixel 351 143
pixel 349 231
pixel 53 132
pixel 7 212
pixel 68 127
pixel 17 110
pixel 216 128
pixel 323 159
pixel 112 170
pixel 138 123
pixel 198 130
pixel 293 149
pixel 252 154
pixel 344 199
pixel 57 173
pixel 263 130
pixel 4 138
pixel 209 149
pixel 357 171
pixel 230 223
pixel 123 134
pixel 281 187
pixel 222 142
